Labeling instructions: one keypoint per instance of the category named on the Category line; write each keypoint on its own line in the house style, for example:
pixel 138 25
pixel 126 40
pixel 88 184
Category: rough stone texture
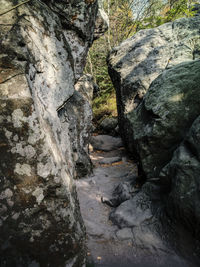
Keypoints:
pixel 124 191
pixel 109 124
pixel 86 86
pixel 138 61
pixel 166 114
pixel 124 234
pixel 105 142
pixel 163 64
pixel 110 160
pixel 144 245
pixel 76 118
pixel 78 19
pixel 133 212
pixel 184 170
pixel 42 53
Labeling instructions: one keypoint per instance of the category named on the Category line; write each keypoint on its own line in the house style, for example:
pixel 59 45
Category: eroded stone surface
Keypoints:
pixel 162 120
pixel 184 170
pixel 133 212
pixel 138 61
pixel 105 142
pixel 42 53
pixel 156 75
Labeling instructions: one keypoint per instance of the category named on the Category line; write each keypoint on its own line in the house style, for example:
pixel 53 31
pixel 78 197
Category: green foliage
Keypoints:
pixel 105 103
pixel 179 9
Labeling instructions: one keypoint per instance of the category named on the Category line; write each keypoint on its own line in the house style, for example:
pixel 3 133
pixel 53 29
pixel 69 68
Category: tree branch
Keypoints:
pixel 5 12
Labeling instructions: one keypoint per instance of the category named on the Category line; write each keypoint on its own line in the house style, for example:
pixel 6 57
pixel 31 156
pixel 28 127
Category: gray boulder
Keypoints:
pixel 156 76
pixel 138 61
pixel 161 121
pixel 133 212
pixel 109 124
pixel 105 142
pixel 124 234
pixel 184 170
pixel 122 192
pixel 78 21
pixel 110 160
pixel 76 118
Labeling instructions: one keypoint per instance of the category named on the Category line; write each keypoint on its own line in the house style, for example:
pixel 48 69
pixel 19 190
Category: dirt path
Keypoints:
pixel 107 244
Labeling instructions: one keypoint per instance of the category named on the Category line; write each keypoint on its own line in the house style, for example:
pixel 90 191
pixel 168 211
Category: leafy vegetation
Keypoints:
pixel 126 18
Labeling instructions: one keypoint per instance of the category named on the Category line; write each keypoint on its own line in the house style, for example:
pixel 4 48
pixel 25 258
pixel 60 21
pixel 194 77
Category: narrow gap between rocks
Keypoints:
pixel 121 229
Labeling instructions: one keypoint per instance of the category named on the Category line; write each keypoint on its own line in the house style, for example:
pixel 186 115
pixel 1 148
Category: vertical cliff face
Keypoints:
pixel 43 48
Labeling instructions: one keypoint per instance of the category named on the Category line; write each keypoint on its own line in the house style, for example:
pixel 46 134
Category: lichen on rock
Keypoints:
pixel 156 76
pixel 43 50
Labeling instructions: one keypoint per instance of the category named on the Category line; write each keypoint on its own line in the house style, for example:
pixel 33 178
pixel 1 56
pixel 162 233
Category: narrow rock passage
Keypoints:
pixel 107 244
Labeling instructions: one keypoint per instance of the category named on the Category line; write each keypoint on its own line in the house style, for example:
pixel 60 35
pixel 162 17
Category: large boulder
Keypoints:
pixel 183 170
pixel 156 76
pixel 42 53
pixel 138 61
pixel 161 121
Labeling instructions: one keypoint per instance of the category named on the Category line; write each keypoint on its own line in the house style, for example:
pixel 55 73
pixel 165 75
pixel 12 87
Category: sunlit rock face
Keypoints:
pixel 42 53
pixel 156 76
pixel 102 21
pixel 138 61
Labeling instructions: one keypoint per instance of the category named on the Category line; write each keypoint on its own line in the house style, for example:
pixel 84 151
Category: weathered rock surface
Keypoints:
pixel 86 86
pixel 78 20
pixel 133 212
pixel 156 75
pixel 138 61
pixel 184 170
pixel 108 125
pixel 166 114
pixel 110 160
pixel 124 234
pixel 124 191
pixel 42 53
pixel 159 128
pixel 105 142
pixel 76 118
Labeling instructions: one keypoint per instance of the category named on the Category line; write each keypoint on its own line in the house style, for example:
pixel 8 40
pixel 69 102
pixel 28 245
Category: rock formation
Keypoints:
pixel 138 61
pixel 184 171
pixel 43 48
pixel 156 76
